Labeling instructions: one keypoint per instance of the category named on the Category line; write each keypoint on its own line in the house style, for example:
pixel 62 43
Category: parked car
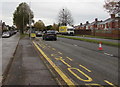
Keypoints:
pixel 49 35
pixel 6 34
pixel 38 34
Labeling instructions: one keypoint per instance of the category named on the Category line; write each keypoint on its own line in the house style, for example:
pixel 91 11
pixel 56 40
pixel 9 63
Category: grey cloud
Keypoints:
pixel 81 10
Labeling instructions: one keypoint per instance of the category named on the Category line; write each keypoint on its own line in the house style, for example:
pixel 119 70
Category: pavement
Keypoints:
pixel 28 68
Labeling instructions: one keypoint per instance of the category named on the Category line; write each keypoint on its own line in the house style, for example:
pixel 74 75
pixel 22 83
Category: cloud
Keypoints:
pixel 52 0
pixel 47 10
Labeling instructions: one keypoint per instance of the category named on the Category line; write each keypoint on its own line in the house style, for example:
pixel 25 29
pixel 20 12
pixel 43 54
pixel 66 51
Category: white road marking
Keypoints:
pixel 108 54
pixel 75 45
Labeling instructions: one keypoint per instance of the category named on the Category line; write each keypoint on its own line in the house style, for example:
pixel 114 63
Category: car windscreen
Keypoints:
pixel 5 32
pixel 51 32
pixel 70 29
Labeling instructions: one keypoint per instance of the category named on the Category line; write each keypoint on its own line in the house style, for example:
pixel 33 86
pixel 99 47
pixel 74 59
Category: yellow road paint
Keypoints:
pixel 94 84
pixel 63 76
pixel 85 68
pixel 43 46
pixel 59 52
pixel 69 58
pixel 89 79
pixel 55 55
pixel 53 48
pixel 40 45
pixel 109 83
pixel 52 54
pixel 65 63
pixel 60 58
pixel 49 46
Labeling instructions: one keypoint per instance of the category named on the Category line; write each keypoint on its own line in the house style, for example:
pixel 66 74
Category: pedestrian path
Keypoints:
pixel 28 68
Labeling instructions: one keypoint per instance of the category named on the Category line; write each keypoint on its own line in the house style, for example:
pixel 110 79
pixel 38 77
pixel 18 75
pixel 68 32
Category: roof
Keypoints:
pixel 70 27
pixel 110 20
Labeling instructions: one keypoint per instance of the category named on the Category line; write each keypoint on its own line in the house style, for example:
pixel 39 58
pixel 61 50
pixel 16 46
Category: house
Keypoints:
pixel 0 27
pixel 112 23
pixel 84 26
pixel 89 26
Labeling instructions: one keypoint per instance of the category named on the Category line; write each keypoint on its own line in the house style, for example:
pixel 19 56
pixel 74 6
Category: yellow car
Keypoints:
pixel 32 35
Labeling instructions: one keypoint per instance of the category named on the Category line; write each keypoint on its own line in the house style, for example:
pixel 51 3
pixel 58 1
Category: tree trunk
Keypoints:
pixel 21 30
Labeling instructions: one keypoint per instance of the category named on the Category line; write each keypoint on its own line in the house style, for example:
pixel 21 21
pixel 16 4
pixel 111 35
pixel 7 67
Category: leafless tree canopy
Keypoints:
pixel 65 18
pixel 112 6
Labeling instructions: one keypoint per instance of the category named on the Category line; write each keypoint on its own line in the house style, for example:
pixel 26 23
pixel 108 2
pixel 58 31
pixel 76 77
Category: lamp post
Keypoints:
pixel 30 30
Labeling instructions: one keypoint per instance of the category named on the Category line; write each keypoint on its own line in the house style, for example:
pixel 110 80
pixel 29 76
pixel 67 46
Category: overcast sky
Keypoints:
pixel 47 10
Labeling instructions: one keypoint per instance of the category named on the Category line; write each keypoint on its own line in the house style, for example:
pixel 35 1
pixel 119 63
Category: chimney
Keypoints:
pixel 96 19
pixel 80 24
pixel 101 21
pixel 112 15
pixel 87 22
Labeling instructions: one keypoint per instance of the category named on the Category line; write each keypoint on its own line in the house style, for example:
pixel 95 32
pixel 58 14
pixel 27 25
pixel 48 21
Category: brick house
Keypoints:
pixel 0 27
pixel 84 26
pixel 112 23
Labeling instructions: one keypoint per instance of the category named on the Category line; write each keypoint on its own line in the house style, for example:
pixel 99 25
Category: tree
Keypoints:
pixel 39 25
pixel 55 27
pixel 49 27
pixel 65 18
pixel 112 6
pixel 22 16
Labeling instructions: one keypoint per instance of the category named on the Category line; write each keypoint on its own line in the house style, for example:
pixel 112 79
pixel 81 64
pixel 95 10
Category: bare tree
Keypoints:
pixel 112 6
pixel 64 17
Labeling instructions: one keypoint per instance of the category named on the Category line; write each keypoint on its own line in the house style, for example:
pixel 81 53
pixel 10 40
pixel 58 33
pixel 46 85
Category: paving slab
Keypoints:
pixel 28 68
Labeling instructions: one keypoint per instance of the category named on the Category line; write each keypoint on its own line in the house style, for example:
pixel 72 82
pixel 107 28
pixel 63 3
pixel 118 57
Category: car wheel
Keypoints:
pixel 55 39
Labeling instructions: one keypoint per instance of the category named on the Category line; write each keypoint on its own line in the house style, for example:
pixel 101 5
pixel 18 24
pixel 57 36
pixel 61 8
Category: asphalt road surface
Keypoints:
pixel 8 49
pixel 81 62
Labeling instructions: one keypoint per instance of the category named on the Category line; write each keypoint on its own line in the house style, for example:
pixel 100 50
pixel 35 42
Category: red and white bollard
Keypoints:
pixel 100 46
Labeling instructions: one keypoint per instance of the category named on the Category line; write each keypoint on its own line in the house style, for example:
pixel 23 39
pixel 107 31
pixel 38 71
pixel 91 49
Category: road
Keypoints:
pixel 81 62
pixel 8 49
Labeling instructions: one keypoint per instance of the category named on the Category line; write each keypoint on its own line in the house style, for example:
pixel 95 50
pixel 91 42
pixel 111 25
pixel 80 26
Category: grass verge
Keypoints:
pixel 100 37
pixel 92 41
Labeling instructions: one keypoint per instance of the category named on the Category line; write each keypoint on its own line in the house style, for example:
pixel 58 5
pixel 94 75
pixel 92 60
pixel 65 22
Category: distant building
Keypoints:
pixel 112 23
pixel 0 24
pixel 0 28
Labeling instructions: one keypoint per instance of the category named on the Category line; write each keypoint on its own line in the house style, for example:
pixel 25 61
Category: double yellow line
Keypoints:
pixel 63 76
